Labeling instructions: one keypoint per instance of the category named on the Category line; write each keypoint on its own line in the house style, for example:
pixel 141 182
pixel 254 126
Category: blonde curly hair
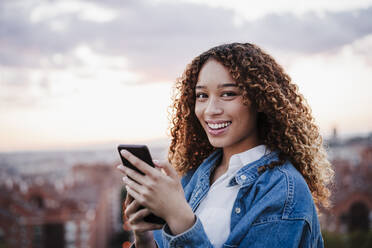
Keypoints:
pixel 284 118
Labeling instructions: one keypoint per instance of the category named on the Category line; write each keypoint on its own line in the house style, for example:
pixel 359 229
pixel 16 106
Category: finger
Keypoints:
pixel 139 215
pixel 145 226
pixel 135 218
pixel 168 168
pixel 128 200
pixel 138 220
pixel 138 163
pixel 132 208
pixel 150 226
pixel 133 174
pixel 134 194
pixel 154 161
pixel 133 185
pixel 121 168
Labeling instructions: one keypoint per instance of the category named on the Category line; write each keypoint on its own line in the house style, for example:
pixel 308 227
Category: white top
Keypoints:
pixel 214 210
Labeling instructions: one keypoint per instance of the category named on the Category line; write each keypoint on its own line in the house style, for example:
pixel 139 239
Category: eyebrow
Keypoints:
pixel 219 86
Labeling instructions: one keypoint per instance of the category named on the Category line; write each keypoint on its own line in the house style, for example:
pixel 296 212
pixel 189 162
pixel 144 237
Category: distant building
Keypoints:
pixel 77 211
pixel 352 191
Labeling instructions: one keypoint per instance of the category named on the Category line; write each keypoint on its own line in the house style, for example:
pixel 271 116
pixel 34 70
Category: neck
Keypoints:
pixel 229 151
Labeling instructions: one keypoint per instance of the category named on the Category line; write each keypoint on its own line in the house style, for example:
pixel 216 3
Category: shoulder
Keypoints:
pixel 287 193
pixel 299 199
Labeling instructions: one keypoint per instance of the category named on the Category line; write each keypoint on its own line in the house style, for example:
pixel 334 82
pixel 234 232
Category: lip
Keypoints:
pixel 219 131
pixel 216 122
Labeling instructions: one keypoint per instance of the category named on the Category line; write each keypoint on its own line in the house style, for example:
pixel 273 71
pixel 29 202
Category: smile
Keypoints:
pixel 216 126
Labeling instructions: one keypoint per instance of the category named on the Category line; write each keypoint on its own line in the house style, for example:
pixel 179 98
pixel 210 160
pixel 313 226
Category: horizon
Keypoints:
pixel 152 143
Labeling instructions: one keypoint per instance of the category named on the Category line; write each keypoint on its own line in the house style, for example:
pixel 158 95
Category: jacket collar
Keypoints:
pixel 209 163
pixel 250 172
pixel 245 176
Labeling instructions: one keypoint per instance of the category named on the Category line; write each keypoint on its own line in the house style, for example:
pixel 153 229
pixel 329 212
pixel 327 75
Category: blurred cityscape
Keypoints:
pixel 74 198
pixel 60 199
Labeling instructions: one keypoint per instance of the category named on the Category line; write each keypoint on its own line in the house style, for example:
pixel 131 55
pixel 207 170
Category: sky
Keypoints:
pixel 81 73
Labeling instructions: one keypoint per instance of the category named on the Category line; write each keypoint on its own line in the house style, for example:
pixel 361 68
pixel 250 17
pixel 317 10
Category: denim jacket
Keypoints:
pixel 273 208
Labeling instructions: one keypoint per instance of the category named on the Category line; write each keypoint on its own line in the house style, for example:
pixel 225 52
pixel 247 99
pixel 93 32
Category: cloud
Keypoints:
pixel 246 10
pixel 60 62
pixel 337 85
pixel 311 33
pixel 159 39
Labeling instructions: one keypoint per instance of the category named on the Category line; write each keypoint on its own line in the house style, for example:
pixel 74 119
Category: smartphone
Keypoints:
pixel 143 153
pixel 140 151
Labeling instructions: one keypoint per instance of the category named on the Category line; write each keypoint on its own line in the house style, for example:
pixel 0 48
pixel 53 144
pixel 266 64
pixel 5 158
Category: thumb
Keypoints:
pixel 167 168
pixel 156 163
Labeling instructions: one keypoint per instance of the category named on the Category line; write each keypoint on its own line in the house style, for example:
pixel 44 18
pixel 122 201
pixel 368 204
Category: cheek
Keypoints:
pixel 248 116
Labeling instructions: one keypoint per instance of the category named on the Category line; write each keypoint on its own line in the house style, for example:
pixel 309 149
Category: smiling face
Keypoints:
pixel 219 108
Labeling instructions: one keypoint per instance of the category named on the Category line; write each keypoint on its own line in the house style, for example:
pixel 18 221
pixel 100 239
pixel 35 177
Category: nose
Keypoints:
pixel 213 107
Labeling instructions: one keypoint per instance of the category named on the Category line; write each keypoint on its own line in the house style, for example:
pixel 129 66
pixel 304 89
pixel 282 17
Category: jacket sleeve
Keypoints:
pixel 282 233
pixel 194 237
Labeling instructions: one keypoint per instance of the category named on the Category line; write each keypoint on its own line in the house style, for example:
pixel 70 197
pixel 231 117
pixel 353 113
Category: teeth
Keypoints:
pixel 218 126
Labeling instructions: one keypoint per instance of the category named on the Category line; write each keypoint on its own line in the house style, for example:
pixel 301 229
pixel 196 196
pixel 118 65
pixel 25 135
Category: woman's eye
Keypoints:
pixel 227 94
pixel 201 95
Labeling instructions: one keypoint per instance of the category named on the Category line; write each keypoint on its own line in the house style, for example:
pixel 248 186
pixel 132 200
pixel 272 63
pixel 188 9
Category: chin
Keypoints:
pixel 218 143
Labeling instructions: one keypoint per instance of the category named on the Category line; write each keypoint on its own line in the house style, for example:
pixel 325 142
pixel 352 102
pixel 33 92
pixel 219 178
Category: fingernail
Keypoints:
pixel 124 152
pixel 124 179
pixel 121 167
pixel 155 161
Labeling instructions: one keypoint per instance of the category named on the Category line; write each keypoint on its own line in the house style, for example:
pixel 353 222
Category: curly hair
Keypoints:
pixel 284 118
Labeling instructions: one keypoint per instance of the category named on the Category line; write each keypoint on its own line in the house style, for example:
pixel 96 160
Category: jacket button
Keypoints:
pixel 243 177
pixel 237 210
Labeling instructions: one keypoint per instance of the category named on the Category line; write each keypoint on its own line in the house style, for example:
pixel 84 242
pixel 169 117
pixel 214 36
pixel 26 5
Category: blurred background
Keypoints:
pixel 79 77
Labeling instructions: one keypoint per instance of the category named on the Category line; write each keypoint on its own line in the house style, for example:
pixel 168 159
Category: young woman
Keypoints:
pixel 250 155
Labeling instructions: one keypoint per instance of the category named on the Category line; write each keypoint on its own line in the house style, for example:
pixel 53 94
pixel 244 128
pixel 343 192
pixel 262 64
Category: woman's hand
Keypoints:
pixel 160 191
pixel 141 229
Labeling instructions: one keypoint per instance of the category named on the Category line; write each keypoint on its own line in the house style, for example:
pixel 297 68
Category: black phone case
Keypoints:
pixel 140 151
pixel 143 153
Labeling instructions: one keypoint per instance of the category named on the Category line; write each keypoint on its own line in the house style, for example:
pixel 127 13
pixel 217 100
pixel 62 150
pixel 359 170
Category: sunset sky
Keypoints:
pixel 80 73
